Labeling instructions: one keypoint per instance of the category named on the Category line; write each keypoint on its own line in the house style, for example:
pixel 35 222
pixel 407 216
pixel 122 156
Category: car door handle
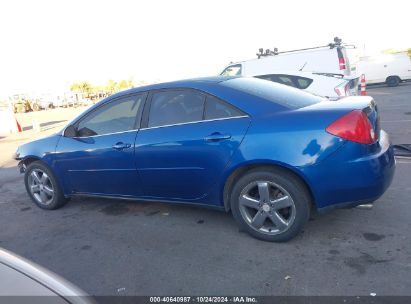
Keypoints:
pixel 217 136
pixel 121 146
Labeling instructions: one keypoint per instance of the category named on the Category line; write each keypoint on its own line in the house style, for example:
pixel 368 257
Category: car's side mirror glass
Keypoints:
pixel 70 131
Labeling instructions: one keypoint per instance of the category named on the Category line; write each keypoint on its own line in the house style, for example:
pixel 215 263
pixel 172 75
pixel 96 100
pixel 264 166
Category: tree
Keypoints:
pixel 111 86
pixel 75 87
pixel 84 87
pixel 124 84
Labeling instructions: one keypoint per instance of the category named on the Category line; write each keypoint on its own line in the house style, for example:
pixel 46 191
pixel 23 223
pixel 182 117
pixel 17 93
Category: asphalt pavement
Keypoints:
pixel 112 247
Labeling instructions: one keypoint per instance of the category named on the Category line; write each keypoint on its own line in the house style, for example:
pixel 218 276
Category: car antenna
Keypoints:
pixel 303 66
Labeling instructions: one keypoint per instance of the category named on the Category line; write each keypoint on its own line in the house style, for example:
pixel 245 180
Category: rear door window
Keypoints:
pixel 175 107
pixel 218 109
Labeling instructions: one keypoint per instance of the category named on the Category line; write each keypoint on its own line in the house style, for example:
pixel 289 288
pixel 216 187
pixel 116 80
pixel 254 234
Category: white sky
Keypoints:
pixel 47 45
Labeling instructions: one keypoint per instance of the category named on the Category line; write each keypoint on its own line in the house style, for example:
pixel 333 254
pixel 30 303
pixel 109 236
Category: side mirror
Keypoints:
pixel 70 131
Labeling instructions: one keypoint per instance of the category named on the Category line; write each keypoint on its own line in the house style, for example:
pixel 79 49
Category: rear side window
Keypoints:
pixel 303 82
pixel 232 70
pixel 216 108
pixel 116 116
pixel 175 107
pixel 290 80
pixel 282 95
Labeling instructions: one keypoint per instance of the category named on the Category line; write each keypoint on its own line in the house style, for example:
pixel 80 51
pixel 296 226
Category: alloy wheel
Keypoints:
pixel 267 207
pixel 41 187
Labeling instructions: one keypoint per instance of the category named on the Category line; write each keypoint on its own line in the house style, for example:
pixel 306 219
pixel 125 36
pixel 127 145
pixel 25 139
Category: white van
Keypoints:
pixel 331 59
pixel 385 68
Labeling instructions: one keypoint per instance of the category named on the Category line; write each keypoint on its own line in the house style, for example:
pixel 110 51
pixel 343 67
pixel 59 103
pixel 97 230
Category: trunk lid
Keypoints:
pixel 347 104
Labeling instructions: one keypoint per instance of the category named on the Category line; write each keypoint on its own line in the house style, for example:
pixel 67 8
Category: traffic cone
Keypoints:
pixel 18 126
pixel 363 91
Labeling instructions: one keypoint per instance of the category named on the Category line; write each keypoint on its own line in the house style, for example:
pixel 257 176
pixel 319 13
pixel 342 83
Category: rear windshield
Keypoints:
pixel 280 94
pixel 290 80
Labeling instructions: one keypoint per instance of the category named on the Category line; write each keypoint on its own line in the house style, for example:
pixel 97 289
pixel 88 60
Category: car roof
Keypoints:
pixel 183 83
pixel 44 277
pixel 247 102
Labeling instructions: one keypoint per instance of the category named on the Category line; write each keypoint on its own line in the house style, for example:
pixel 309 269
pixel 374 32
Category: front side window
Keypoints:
pixel 175 107
pixel 116 116
pixel 216 109
pixel 232 70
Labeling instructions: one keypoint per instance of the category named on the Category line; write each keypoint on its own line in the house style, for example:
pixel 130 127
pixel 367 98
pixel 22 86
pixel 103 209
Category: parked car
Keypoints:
pixel 385 68
pixel 22 279
pixel 266 151
pixel 332 59
pixel 331 86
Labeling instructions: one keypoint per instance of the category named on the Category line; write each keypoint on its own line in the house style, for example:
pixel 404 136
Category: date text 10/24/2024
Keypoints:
pixel 206 299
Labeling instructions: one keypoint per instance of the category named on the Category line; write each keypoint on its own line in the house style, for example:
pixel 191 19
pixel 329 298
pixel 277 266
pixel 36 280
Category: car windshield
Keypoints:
pixel 232 70
pixel 283 95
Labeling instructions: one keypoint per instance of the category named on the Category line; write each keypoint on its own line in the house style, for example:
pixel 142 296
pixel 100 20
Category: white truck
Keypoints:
pixel 385 68
pixel 323 70
pixel 330 59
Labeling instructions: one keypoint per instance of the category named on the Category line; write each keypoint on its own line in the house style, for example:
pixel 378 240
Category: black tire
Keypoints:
pixel 58 200
pixel 35 107
pixel 289 183
pixel 393 81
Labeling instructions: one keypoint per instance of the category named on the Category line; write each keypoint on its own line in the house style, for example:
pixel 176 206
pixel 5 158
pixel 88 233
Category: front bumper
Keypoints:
pixel 22 167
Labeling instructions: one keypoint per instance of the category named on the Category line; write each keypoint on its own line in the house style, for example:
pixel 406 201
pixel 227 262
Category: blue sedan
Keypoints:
pixel 267 152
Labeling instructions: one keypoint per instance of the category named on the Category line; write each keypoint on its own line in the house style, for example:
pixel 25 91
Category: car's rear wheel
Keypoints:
pixel 270 204
pixel 42 186
pixel 393 81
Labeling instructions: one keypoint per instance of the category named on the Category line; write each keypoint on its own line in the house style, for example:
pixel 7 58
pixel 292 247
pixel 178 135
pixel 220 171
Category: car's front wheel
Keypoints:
pixel 270 204
pixel 42 186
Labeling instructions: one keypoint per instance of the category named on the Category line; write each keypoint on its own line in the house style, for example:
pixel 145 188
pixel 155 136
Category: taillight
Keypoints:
pixel 342 90
pixel 338 91
pixel 353 126
pixel 341 62
pixel 347 88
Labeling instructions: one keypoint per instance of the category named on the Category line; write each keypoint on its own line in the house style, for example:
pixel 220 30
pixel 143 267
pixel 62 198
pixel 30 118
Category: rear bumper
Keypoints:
pixel 348 178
